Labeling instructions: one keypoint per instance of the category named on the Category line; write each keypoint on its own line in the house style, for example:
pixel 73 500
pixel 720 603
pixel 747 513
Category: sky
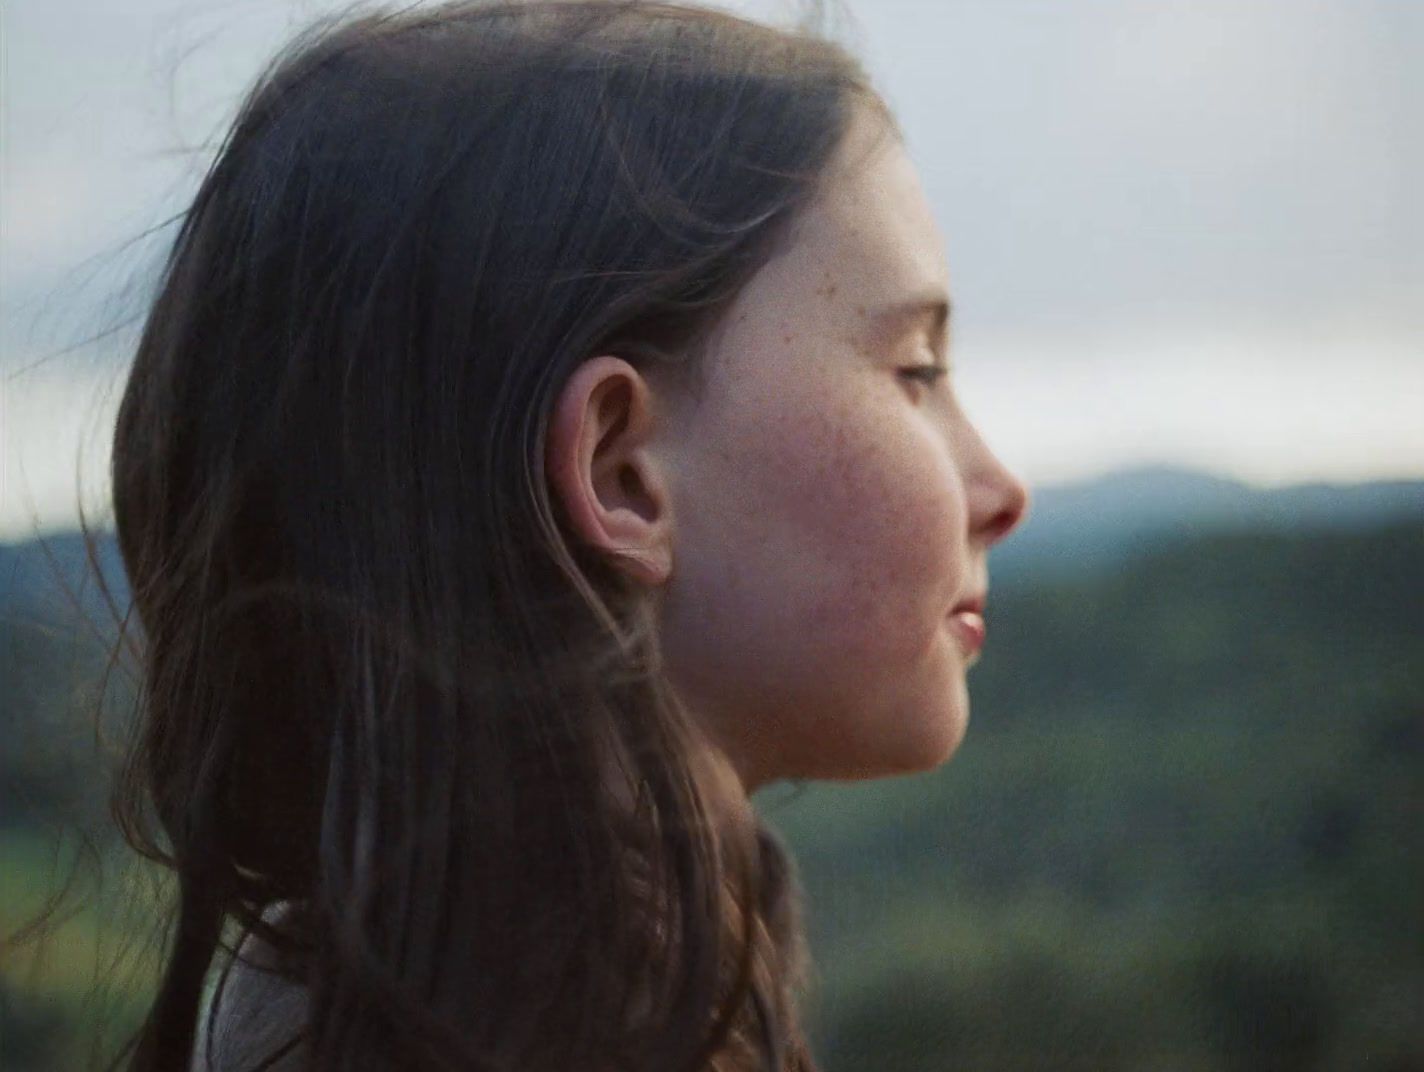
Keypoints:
pixel 1178 231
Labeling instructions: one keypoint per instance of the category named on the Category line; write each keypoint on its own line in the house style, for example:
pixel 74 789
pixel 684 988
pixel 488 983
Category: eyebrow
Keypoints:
pixel 932 305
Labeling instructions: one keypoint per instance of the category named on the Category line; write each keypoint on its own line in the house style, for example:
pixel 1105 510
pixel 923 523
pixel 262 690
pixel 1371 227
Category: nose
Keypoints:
pixel 1013 509
pixel 998 499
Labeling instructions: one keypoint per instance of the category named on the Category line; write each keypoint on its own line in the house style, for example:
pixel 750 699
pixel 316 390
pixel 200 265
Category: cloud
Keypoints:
pixel 1274 408
pixel 55 426
pixel 1185 228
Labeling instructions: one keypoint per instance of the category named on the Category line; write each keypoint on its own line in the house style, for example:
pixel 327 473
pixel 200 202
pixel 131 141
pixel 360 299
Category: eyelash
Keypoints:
pixel 928 374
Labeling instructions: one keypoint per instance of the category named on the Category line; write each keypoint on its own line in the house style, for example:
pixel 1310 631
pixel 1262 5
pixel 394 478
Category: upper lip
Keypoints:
pixel 973 603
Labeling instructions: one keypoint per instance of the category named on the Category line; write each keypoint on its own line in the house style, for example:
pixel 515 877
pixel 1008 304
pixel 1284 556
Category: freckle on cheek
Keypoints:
pixel 849 510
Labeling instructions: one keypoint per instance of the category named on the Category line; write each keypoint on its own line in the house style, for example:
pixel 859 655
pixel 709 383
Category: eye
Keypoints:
pixel 929 374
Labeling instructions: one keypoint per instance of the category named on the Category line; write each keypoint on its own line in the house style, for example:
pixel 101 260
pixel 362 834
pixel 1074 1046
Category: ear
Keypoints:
pixel 601 467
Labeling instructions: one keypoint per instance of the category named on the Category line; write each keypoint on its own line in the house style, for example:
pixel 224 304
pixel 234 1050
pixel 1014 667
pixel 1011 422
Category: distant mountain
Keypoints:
pixel 1092 525
pixel 38 577
pixel 1073 529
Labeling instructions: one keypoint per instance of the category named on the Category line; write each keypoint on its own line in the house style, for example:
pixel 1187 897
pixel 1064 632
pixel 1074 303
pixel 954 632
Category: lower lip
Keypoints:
pixel 969 627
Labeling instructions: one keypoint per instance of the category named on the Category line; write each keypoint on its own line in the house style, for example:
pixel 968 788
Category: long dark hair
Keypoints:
pixel 381 683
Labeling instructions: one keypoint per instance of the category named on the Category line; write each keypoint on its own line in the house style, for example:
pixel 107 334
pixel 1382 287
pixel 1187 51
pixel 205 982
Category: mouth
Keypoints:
pixel 967 619
pixel 974 603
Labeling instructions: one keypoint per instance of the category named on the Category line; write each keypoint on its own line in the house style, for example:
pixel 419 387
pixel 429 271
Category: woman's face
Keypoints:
pixel 828 510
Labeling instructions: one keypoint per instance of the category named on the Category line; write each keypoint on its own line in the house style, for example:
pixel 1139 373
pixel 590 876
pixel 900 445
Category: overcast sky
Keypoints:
pixel 1178 230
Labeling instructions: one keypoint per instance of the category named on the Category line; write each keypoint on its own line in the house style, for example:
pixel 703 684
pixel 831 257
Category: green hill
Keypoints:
pixel 1180 834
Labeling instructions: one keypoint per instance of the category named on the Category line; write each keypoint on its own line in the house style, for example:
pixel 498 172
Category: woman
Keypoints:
pixel 540 440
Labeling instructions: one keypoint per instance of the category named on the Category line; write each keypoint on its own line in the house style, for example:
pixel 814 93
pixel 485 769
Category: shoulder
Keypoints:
pixel 254 1013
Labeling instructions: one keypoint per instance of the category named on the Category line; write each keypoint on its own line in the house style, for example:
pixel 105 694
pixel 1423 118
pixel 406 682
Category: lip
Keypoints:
pixel 969 627
pixel 975 602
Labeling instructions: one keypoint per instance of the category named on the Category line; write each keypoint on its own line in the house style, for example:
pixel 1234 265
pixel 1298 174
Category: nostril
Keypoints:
pixel 1012 515
pixel 1004 522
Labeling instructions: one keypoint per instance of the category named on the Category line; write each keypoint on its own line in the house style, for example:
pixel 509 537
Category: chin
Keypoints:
pixel 928 751
pixel 953 728
pixel 915 735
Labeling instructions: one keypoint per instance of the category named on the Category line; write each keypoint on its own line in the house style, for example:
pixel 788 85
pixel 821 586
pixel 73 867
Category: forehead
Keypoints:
pixel 868 239
pixel 870 234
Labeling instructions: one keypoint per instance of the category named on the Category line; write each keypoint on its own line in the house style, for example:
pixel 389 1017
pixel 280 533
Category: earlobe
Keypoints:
pixel 602 471
pixel 652 566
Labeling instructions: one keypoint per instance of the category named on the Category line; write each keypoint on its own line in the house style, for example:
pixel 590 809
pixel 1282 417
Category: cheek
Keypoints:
pixel 888 514
pixel 822 556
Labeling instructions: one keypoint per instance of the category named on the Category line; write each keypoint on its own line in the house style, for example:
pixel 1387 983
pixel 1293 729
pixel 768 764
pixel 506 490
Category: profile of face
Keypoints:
pixel 808 524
